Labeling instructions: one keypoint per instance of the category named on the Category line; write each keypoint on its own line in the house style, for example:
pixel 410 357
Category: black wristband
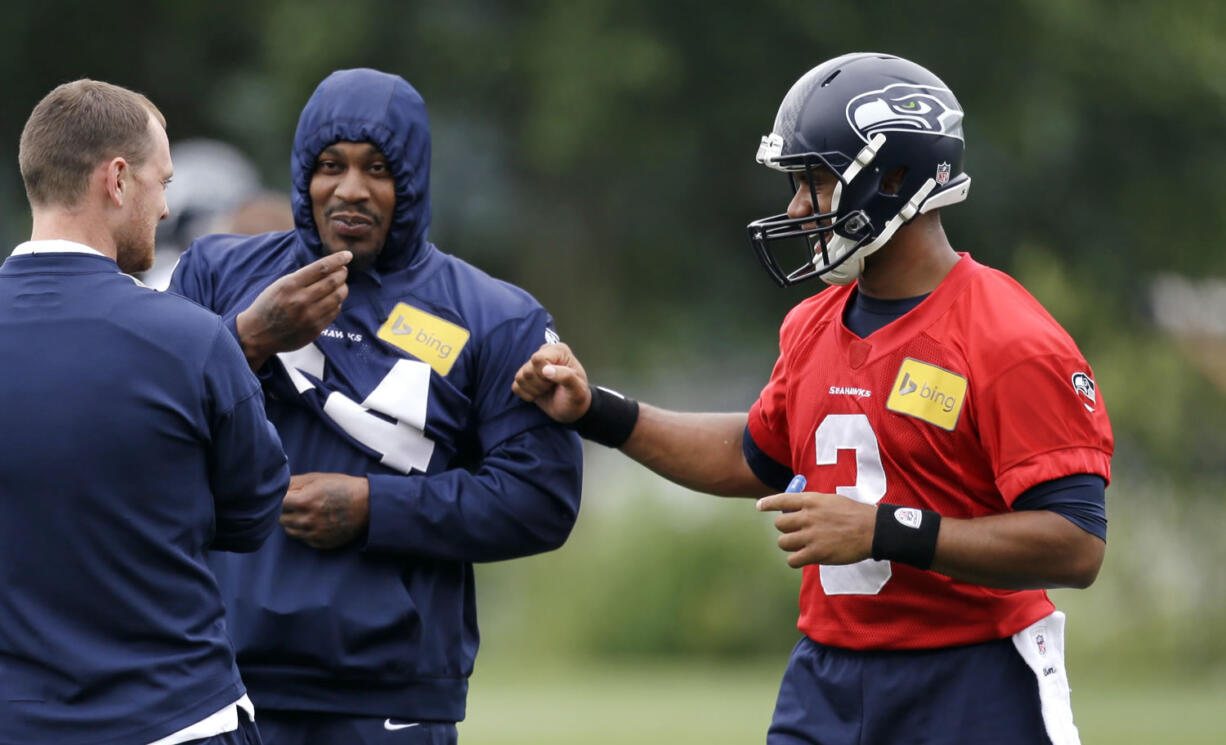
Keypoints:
pixel 610 419
pixel 906 534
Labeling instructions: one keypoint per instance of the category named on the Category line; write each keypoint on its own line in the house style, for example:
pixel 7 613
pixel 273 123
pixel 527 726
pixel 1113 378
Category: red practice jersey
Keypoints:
pixel 959 406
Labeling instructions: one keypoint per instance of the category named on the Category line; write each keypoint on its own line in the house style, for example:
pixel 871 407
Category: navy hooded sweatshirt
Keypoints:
pixel 410 387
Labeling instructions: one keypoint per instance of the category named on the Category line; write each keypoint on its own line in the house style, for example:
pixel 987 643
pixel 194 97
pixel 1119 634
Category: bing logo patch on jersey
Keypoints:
pixel 928 392
pixel 428 338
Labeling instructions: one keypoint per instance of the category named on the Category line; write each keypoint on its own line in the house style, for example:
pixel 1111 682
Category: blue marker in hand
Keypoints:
pixel 797 484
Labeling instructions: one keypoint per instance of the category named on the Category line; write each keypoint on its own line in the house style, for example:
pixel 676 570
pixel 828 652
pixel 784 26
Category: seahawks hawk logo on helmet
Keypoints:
pixel 905 108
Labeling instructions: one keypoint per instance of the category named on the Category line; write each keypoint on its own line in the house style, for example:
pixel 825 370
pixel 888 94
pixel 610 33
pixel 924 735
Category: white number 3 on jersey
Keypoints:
pixel 854 432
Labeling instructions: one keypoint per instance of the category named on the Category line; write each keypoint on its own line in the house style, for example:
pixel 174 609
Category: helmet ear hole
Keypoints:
pixel 891 183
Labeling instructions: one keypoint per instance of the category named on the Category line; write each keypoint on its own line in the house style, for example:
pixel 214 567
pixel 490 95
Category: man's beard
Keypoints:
pixel 363 259
pixel 360 260
pixel 134 251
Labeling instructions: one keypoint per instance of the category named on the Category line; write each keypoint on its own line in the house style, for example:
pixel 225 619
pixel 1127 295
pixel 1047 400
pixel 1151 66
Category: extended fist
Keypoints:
pixel 553 379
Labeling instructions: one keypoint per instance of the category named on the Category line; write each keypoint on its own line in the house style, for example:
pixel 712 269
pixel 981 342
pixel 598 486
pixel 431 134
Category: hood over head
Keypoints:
pixel 364 105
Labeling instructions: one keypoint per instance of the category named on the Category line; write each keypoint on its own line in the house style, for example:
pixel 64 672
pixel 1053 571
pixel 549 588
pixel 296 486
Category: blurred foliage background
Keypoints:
pixel 600 154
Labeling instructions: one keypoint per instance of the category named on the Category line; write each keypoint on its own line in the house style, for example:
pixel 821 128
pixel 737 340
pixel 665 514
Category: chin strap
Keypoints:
pixel 850 269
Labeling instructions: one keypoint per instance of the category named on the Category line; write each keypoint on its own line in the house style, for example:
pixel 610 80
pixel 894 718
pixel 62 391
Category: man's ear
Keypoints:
pixel 117 175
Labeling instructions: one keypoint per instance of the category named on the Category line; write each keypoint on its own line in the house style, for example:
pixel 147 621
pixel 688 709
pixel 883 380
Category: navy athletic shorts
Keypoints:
pixel 972 695
pixel 301 728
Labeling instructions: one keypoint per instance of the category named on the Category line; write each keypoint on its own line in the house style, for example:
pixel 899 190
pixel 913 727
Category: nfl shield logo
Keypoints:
pixel 942 173
pixel 1040 643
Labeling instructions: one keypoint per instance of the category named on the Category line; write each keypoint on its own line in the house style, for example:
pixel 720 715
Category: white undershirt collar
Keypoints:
pixel 55 246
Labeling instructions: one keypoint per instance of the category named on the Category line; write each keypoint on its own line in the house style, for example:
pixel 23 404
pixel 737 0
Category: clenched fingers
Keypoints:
pixel 553 379
pixel 325 510
pixel 819 528
pixel 537 376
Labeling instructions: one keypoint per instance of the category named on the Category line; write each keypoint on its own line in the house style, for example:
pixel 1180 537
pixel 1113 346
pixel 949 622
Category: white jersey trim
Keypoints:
pixel 217 723
pixel 1041 645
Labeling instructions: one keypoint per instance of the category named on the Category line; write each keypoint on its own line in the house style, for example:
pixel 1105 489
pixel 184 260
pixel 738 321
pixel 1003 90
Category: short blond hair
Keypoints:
pixel 73 129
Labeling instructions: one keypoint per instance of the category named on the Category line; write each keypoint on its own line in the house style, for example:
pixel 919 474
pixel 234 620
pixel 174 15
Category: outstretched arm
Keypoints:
pixel 699 451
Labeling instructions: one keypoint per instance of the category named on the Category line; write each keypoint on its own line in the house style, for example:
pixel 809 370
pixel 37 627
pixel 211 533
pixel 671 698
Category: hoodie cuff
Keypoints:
pixel 265 372
pixel 388 496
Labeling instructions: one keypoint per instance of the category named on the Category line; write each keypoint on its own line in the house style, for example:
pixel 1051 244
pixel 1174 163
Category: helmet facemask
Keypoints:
pixel 833 241
pixel 827 240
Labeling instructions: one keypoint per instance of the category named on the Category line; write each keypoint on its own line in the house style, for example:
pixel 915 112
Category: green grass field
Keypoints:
pixel 513 702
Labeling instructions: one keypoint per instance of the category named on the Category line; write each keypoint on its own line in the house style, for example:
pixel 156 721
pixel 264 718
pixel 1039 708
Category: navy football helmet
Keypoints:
pixel 860 116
